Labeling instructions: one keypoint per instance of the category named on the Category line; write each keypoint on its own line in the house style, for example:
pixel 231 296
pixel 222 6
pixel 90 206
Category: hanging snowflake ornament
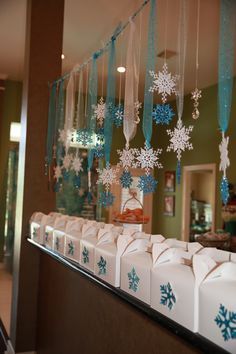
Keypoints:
pixel 147 184
pixel 106 199
pixel 163 82
pixel 66 161
pixel 107 176
pixel 179 138
pixel 98 151
pixel 167 296
pixel 99 111
pixel 127 157
pixel 226 321
pixel 137 107
pixel 66 175
pixel 195 96
pixel 57 172
pixel 84 137
pixel 224 159
pixel 126 179
pixel 162 114
pixel 148 158
pixel 77 165
pixel 77 181
pixel 133 280
pixel 118 116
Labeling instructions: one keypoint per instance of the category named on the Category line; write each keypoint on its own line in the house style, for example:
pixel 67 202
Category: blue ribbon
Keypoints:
pixel 51 123
pixel 110 100
pixel 226 61
pixel 148 96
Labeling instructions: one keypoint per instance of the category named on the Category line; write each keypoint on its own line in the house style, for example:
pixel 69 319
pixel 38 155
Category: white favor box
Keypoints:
pixel 59 232
pixel 73 234
pixel 35 223
pixel 107 256
pixel 87 244
pixel 173 242
pixel 217 306
pixel 47 220
pixel 136 264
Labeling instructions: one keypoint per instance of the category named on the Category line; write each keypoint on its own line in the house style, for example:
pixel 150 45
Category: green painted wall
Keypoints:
pixel 11 113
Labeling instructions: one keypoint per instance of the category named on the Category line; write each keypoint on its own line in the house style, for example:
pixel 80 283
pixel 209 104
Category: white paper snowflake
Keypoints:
pixel 65 136
pixel 127 157
pixel 57 172
pixel 77 165
pixel 163 82
pixel 137 107
pixel 148 158
pixel 107 176
pixel 179 138
pixel 66 161
pixel 224 159
pixel 99 111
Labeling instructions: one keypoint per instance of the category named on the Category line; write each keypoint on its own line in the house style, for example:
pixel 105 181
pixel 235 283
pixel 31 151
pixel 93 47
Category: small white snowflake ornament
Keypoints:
pixel 163 82
pixel 66 162
pixel 179 139
pixel 107 176
pixel 57 172
pixel 224 159
pixel 77 165
pixel 65 136
pixel 148 158
pixel 137 107
pixel 99 111
pixel 127 157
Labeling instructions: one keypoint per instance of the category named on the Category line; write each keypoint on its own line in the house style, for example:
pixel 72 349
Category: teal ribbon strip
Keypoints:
pixel 60 119
pixel 51 123
pixel 150 66
pixel 110 100
pixel 226 61
pixel 92 101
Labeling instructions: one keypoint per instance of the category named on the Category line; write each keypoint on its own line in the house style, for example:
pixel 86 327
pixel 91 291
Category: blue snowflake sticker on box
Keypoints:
pixel 71 248
pixel 126 179
pixel 34 232
pixel 102 265
pixel 147 184
pixel 85 255
pixel 163 114
pixel 46 236
pixel 226 321
pixel 57 243
pixel 133 280
pixel 106 199
pixel 167 296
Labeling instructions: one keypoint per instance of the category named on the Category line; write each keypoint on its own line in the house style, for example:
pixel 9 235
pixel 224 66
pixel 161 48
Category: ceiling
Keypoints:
pixel 89 23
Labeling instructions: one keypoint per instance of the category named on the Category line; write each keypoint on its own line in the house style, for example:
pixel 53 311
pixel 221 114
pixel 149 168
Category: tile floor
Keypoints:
pixel 5 297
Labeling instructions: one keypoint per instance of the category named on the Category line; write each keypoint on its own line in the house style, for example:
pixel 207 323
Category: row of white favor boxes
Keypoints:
pixel 191 285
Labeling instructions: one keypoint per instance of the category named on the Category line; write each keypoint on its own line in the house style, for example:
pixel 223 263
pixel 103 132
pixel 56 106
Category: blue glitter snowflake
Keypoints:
pixel 126 179
pixel 167 296
pixel 77 181
pixel 162 114
pixel 71 248
pixel 85 254
pixel 34 234
pixel 102 265
pixel 84 137
pixel 66 175
pixel 178 171
pixel 98 151
pixel 46 237
pixel 133 280
pixel 57 243
pixel 118 115
pixel 224 190
pixel 106 199
pixel 226 321
pixel 147 184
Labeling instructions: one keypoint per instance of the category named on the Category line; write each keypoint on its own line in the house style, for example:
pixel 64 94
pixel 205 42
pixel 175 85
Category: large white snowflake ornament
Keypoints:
pixel 179 138
pixel 224 159
pixel 148 158
pixel 107 176
pixel 163 82
pixel 99 111
pixel 127 157
pixel 77 164
pixel 66 161
pixel 57 172
pixel 65 136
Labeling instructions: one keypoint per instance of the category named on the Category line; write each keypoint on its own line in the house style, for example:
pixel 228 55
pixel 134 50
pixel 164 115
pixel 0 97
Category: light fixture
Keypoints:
pixel 121 69
pixel 62 56
pixel 15 129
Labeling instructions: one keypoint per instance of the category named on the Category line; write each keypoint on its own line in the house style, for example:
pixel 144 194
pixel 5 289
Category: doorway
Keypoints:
pixel 199 200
